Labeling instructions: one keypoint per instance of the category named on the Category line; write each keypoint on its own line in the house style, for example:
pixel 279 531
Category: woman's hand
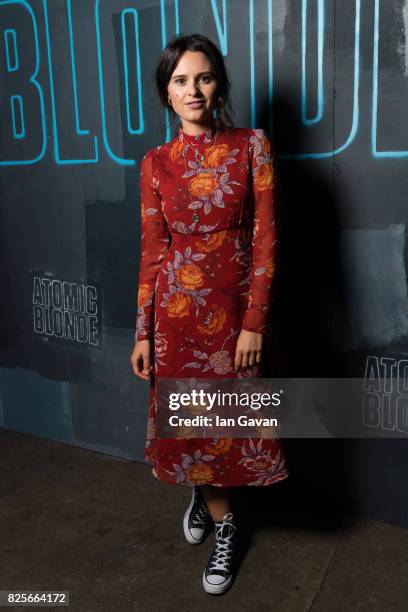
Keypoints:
pixel 248 351
pixel 140 359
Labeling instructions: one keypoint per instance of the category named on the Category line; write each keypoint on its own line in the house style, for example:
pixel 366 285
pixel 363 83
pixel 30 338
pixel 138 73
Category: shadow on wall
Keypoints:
pixel 307 315
pixel 309 304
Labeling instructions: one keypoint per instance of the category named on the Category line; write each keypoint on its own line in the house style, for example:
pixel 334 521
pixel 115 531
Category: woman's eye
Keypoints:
pixel 206 78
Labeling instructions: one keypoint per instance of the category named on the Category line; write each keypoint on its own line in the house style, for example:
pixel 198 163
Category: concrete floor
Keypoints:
pixel 108 532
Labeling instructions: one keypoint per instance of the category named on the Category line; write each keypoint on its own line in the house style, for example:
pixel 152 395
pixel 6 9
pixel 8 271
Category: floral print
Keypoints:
pixel 201 280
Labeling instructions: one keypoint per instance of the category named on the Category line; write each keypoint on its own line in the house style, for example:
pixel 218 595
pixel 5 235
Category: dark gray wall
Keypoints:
pixel 328 81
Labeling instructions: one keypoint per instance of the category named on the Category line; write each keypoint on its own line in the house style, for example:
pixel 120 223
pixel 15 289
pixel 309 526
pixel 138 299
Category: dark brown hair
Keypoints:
pixel 168 61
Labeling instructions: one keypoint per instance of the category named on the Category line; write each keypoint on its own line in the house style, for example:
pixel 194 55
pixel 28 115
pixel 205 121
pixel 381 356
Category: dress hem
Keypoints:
pixel 282 475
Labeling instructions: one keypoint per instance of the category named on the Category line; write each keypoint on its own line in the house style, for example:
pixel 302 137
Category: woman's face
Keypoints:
pixel 193 81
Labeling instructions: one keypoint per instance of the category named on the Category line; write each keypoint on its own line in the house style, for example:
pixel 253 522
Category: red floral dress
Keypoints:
pixel 207 262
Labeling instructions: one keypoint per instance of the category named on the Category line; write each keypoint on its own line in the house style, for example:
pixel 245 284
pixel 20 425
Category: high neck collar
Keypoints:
pixel 199 138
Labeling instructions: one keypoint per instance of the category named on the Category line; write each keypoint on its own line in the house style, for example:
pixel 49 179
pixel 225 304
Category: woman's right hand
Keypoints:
pixel 140 359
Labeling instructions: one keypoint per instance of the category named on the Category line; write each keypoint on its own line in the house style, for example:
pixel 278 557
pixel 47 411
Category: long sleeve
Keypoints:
pixel 155 240
pixel 264 232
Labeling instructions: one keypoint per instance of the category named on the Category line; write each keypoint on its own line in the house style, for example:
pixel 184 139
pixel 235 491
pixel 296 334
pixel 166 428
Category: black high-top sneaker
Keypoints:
pixel 197 520
pixel 219 573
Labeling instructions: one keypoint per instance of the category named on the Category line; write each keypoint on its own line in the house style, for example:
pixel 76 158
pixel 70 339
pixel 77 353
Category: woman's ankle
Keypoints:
pixel 217 501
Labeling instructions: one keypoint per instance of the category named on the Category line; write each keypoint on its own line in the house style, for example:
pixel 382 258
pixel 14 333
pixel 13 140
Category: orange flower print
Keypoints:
pixel 219 447
pixel 266 146
pixel 216 320
pixel 200 473
pixel 220 362
pixel 203 184
pixel 178 305
pixel 270 268
pixel 214 241
pixel 262 464
pixel 264 177
pixel 190 276
pixel 175 152
pixel 216 155
pixel 144 294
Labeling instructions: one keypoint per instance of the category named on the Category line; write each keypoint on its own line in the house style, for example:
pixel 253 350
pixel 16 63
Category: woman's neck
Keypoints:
pixel 197 129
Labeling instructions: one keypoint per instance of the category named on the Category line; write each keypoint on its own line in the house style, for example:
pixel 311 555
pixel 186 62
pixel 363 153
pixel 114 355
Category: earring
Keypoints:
pixel 169 101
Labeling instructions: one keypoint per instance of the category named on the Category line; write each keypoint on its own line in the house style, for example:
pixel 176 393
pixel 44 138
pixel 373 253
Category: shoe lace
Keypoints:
pixel 221 557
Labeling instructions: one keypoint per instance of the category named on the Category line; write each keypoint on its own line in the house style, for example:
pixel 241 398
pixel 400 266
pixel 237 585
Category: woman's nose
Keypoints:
pixel 193 89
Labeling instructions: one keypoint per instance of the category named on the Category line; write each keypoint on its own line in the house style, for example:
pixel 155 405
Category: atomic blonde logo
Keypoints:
pixel 66 311
pixel 385 404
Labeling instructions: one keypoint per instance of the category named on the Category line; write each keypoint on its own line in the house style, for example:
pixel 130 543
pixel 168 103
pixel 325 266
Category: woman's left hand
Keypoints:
pixel 248 351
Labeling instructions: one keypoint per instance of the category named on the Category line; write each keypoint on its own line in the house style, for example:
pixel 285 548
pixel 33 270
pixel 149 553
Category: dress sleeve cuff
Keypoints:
pixel 142 332
pixel 256 318
pixel 142 335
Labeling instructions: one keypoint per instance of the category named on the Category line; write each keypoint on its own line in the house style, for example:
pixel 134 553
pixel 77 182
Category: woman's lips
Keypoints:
pixel 195 104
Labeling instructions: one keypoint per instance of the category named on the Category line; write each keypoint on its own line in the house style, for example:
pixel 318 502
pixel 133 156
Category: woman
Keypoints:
pixel 207 261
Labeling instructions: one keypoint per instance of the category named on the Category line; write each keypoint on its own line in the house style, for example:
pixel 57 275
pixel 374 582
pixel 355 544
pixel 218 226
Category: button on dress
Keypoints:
pixel 207 260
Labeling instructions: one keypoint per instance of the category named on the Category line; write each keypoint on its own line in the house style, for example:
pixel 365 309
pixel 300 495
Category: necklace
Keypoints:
pixel 196 216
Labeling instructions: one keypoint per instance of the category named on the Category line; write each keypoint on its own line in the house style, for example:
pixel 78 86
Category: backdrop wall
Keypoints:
pixel 328 80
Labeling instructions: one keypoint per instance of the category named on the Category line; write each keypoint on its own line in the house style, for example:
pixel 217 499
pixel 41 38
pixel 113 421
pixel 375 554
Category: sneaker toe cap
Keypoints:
pixel 215 579
pixel 196 532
